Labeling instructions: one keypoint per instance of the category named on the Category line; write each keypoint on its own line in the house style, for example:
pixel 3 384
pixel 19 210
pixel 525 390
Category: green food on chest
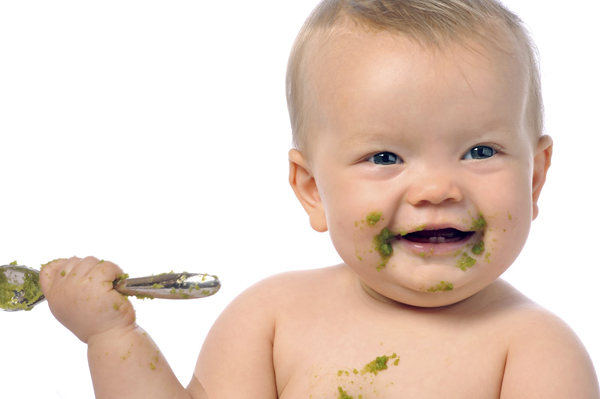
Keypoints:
pixel 377 365
pixel 343 394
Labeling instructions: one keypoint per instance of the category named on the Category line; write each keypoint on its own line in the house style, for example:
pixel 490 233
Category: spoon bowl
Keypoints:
pixel 20 287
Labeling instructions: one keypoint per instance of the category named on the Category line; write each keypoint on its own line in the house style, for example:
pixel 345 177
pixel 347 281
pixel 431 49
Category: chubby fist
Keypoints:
pixel 81 296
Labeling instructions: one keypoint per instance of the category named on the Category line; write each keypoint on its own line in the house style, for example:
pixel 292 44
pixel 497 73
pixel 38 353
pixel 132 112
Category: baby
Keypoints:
pixel 418 145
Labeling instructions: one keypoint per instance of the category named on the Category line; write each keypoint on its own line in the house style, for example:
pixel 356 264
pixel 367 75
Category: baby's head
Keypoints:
pixel 418 134
pixel 434 24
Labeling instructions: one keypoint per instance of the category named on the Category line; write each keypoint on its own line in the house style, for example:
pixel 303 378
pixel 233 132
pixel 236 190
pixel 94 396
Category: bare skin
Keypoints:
pixel 429 141
pixel 124 361
pixel 289 336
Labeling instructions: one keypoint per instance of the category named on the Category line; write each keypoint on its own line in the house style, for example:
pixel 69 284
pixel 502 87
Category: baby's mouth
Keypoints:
pixel 439 236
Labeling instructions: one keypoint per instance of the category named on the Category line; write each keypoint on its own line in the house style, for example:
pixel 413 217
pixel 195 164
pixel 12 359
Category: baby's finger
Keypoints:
pixel 65 268
pixel 106 272
pixel 84 266
pixel 54 269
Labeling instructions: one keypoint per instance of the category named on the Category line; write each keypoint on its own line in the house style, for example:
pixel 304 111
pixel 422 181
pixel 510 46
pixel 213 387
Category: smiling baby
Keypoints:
pixel 419 147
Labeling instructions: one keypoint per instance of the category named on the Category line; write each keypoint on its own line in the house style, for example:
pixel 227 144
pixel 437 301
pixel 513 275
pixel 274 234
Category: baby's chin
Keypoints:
pixel 441 295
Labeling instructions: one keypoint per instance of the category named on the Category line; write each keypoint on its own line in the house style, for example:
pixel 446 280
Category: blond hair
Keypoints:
pixel 428 22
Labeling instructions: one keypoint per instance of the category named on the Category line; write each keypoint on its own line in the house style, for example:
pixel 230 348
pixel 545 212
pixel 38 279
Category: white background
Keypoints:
pixel 155 134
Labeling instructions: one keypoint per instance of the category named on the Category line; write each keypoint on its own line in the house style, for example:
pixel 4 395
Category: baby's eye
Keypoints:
pixel 385 158
pixel 480 152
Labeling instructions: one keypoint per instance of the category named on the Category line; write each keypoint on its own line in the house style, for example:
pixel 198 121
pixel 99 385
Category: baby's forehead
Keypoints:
pixel 328 46
pixel 325 49
pixel 351 55
pixel 365 64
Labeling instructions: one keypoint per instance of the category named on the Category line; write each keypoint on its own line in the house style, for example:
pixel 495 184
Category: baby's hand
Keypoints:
pixel 81 296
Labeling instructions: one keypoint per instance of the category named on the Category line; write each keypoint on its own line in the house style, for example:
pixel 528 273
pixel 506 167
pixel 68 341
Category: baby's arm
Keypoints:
pixel 547 360
pixel 124 361
pixel 236 360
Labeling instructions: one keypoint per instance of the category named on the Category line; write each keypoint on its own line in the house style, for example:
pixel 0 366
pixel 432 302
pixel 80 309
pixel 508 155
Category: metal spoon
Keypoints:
pixel 20 287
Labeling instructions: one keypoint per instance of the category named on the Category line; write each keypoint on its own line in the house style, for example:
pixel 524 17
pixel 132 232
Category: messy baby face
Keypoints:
pixel 423 164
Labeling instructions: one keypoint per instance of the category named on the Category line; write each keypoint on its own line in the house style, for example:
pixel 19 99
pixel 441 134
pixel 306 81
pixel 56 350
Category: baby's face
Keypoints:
pixel 423 163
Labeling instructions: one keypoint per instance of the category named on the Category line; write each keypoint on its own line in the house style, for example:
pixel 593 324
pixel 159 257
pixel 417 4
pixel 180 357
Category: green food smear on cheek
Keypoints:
pixel 373 218
pixel 383 245
pixel 478 224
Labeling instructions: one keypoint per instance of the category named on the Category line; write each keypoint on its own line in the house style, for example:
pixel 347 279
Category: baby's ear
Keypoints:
pixel 305 187
pixel 541 163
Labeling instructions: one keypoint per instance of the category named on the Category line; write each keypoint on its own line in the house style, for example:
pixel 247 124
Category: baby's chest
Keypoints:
pixel 362 360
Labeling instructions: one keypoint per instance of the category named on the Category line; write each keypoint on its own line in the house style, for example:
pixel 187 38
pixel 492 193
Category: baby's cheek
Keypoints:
pixel 505 237
pixel 365 231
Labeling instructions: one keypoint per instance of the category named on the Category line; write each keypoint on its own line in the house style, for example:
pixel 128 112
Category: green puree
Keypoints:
pixel 478 248
pixel 465 261
pixel 380 363
pixel 383 246
pixel 478 224
pixel 377 365
pixel 30 288
pixel 442 286
pixel 343 394
pixel 373 218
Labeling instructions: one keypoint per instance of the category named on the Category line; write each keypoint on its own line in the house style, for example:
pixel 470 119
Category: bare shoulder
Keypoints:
pixel 545 358
pixel 236 359
pixel 283 291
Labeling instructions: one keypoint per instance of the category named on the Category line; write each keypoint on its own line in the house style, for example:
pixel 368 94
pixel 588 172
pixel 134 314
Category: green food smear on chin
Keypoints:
pixel 442 286
pixel 383 245
pixel 465 261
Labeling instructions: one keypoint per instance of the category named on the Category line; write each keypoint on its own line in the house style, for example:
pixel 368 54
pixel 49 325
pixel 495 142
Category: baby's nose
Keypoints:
pixel 434 187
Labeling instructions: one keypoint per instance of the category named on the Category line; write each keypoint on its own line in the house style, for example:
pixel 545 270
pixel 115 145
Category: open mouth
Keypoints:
pixel 438 236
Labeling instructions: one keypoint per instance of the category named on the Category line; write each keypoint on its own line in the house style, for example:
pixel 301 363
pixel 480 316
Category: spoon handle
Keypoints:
pixel 169 286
